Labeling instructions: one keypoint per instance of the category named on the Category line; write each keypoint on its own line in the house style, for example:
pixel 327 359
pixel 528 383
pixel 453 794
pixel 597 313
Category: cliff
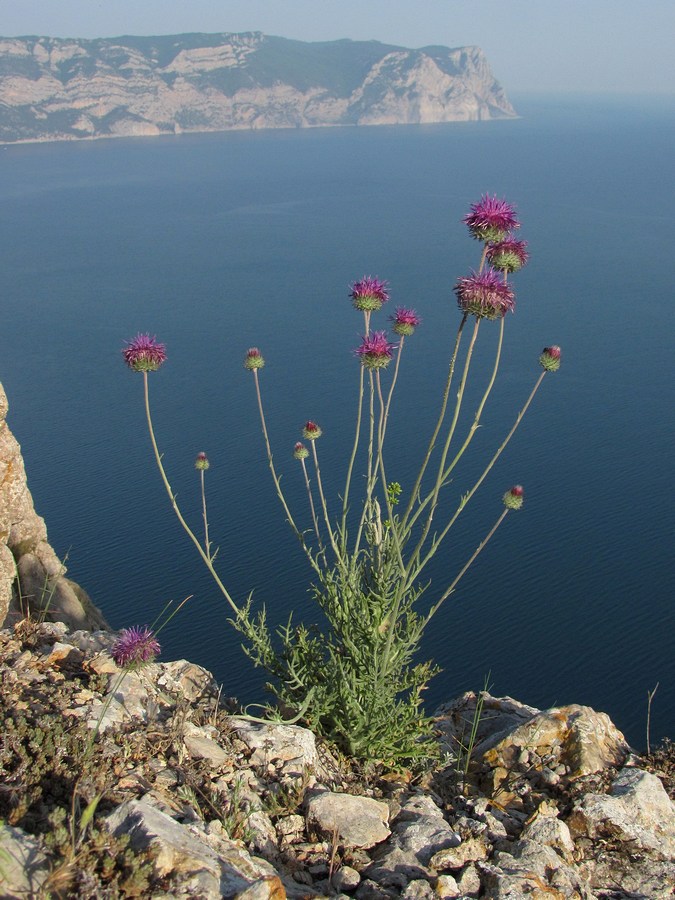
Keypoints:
pixel 65 89
pixel 32 578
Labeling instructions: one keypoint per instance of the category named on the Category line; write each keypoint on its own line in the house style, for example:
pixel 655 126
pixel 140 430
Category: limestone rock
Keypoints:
pixel 552 832
pixel 454 858
pixel 499 716
pixel 69 89
pixel 179 849
pixel 576 737
pixel 31 575
pixel 416 838
pixel 201 743
pixel 290 747
pixel 635 825
pixel 24 865
pixel 346 879
pixel 358 821
pixel 533 870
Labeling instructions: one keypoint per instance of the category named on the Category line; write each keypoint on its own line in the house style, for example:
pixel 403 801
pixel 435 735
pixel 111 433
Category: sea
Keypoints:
pixel 215 243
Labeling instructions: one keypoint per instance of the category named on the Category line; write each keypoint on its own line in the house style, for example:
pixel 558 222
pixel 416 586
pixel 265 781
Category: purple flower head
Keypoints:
pixel 369 293
pixel 513 499
pixel 202 462
pixel 135 647
pixel 254 359
pixel 405 321
pixel 311 431
pixel 375 351
pixel 485 295
pixel 550 358
pixel 508 255
pixel 144 353
pixel 300 451
pixel 491 219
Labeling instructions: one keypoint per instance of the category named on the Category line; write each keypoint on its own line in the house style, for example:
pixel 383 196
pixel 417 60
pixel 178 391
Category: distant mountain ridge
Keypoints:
pixel 66 89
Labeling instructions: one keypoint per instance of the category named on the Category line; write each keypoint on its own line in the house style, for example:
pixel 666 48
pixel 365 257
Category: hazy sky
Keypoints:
pixel 548 45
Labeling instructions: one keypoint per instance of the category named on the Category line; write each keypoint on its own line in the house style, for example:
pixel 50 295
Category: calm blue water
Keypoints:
pixel 219 242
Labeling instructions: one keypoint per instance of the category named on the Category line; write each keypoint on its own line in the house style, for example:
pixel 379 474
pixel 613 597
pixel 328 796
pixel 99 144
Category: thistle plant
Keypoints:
pixel 357 678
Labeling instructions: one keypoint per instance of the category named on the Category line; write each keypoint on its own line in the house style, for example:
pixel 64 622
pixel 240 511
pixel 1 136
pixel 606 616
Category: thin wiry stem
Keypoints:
pixel 207 542
pixel 465 499
pixel 385 417
pixel 444 405
pixel 311 505
pixel 432 498
pixel 275 477
pixel 324 505
pixel 370 477
pixel 350 469
pixel 174 504
pixel 434 609
pixel 474 427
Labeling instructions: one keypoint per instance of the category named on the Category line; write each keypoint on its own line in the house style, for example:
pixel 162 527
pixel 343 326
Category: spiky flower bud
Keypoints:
pixel 507 256
pixel 135 647
pixel 144 353
pixel 485 295
pixel 369 294
pixel 300 451
pixel 254 359
pixel 311 431
pixel 513 499
pixel 405 321
pixel 550 358
pixel 202 462
pixel 491 219
pixel 375 351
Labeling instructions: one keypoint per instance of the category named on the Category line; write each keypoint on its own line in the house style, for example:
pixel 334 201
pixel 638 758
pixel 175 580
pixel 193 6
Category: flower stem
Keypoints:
pixel 174 504
pixel 432 497
pixel 311 505
pixel 275 477
pixel 444 405
pixel 322 497
pixel 434 609
pixel 465 499
pixel 207 542
pixel 350 469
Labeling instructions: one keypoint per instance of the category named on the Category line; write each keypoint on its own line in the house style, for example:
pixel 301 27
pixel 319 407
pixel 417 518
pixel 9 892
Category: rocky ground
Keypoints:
pixel 148 784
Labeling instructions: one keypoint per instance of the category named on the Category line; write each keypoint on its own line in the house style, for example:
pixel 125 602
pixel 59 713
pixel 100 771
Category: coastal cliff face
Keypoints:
pixel 65 89
pixel 32 582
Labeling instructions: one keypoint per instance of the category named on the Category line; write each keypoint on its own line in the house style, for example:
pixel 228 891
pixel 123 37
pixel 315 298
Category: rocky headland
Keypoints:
pixel 68 89
pixel 150 783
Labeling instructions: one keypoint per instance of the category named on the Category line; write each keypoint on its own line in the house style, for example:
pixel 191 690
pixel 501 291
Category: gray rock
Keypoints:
pixel 499 716
pixel 637 811
pixel 346 879
pixel 446 886
pixel 358 821
pixel 24 865
pixel 628 835
pixel 186 679
pixel 418 889
pixel 31 575
pixel 577 737
pixel 201 743
pixel 553 832
pixel 213 866
pixel 290 747
pixel 410 848
pixel 533 870
pixel 469 881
